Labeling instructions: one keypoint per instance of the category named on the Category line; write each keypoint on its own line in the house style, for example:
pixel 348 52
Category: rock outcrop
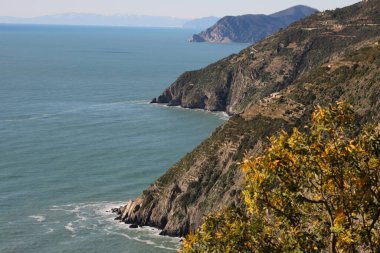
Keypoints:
pixel 251 28
pixel 273 85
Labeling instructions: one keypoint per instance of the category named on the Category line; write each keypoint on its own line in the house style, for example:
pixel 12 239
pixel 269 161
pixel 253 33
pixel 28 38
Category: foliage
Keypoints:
pixel 317 191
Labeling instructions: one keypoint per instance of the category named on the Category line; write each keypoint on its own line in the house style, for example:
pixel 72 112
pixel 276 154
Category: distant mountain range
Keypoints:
pixel 286 16
pixel 251 28
pixel 201 23
pixel 98 20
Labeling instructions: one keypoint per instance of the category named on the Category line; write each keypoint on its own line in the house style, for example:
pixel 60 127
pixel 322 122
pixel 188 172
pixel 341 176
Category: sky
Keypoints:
pixel 173 8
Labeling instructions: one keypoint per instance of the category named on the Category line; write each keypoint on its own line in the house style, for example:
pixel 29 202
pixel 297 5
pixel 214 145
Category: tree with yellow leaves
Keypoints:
pixel 312 191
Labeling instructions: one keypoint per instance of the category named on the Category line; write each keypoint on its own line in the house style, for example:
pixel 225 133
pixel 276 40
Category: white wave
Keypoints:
pixel 97 216
pixel 135 238
pixel 70 227
pixel 120 234
pixel 149 242
pixel 80 217
pixel 222 115
pixel 56 209
pixel 151 232
pixel 103 208
pixel 80 209
pixel 38 218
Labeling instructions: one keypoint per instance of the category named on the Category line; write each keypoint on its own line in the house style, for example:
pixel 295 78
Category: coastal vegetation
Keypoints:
pixel 271 86
pixel 314 190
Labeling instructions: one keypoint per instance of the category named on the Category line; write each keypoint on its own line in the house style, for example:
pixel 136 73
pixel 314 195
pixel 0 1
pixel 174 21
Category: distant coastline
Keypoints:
pixel 85 19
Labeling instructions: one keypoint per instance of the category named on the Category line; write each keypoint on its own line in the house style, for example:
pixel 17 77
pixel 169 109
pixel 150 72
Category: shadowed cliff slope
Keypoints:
pixel 272 85
pixel 251 28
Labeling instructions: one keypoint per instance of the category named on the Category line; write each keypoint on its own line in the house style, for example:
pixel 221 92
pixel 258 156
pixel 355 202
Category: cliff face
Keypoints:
pixel 272 64
pixel 206 179
pixel 251 28
pixel 272 85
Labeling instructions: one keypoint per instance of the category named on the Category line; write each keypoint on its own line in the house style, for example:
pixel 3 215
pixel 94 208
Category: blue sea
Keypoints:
pixel 78 135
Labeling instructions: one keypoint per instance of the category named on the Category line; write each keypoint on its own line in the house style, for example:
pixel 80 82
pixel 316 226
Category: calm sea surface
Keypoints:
pixel 78 135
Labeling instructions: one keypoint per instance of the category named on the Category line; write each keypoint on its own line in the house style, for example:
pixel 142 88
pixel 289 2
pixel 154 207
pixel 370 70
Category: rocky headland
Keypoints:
pixel 272 85
pixel 251 28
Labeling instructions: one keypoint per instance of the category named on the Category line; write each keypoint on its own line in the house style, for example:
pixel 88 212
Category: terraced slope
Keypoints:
pixel 273 85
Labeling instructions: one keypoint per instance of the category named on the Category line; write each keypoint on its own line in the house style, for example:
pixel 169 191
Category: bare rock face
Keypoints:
pixel 197 38
pixel 272 85
pixel 251 28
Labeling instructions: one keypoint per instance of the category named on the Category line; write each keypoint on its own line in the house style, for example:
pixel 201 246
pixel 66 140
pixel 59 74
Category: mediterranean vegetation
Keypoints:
pixel 316 189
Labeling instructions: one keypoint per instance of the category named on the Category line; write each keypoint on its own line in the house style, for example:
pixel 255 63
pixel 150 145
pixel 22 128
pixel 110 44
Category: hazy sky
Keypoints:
pixel 174 8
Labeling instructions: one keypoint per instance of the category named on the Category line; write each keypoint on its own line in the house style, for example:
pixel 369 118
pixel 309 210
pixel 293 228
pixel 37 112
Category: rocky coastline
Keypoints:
pixel 270 86
pixel 251 28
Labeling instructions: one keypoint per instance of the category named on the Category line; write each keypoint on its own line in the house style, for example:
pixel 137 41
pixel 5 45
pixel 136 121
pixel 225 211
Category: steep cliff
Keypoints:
pixel 251 28
pixel 272 85
pixel 273 63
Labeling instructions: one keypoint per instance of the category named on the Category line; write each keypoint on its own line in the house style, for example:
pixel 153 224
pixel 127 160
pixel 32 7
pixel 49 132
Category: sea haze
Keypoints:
pixel 98 20
pixel 78 135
